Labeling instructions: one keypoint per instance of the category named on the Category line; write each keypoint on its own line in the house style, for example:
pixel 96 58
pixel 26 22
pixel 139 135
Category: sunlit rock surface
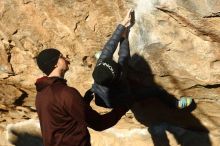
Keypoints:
pixel 175 44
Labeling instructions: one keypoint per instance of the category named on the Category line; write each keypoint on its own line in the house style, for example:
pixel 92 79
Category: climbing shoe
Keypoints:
pixel 184 102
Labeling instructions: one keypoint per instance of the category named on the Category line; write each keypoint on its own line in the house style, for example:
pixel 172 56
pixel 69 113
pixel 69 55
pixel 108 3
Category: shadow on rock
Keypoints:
pixel 156 109
pixel 26 133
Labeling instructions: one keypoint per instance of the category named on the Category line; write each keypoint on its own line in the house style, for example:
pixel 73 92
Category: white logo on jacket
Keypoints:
pixel 108 66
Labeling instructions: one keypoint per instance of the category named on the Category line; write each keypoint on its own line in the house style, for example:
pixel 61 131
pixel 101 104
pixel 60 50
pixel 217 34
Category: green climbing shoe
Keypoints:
pixel 184 102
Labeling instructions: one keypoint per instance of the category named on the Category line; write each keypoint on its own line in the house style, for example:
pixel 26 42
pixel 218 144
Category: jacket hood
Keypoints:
pixel 45 81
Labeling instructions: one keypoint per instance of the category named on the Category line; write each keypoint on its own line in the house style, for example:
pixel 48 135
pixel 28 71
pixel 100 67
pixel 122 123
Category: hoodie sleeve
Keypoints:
pixel 77 108
pixel 101 122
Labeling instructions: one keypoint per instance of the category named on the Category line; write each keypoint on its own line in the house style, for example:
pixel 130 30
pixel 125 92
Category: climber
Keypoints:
pixel 111 86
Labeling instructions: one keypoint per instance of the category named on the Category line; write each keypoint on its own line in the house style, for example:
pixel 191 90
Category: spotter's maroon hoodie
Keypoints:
pixel 64 116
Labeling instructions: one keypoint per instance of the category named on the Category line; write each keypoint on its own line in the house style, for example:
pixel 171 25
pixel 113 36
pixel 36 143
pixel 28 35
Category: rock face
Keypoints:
pixel 174 45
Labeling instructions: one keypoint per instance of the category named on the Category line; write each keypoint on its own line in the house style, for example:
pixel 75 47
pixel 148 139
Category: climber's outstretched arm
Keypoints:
pixel 111 45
